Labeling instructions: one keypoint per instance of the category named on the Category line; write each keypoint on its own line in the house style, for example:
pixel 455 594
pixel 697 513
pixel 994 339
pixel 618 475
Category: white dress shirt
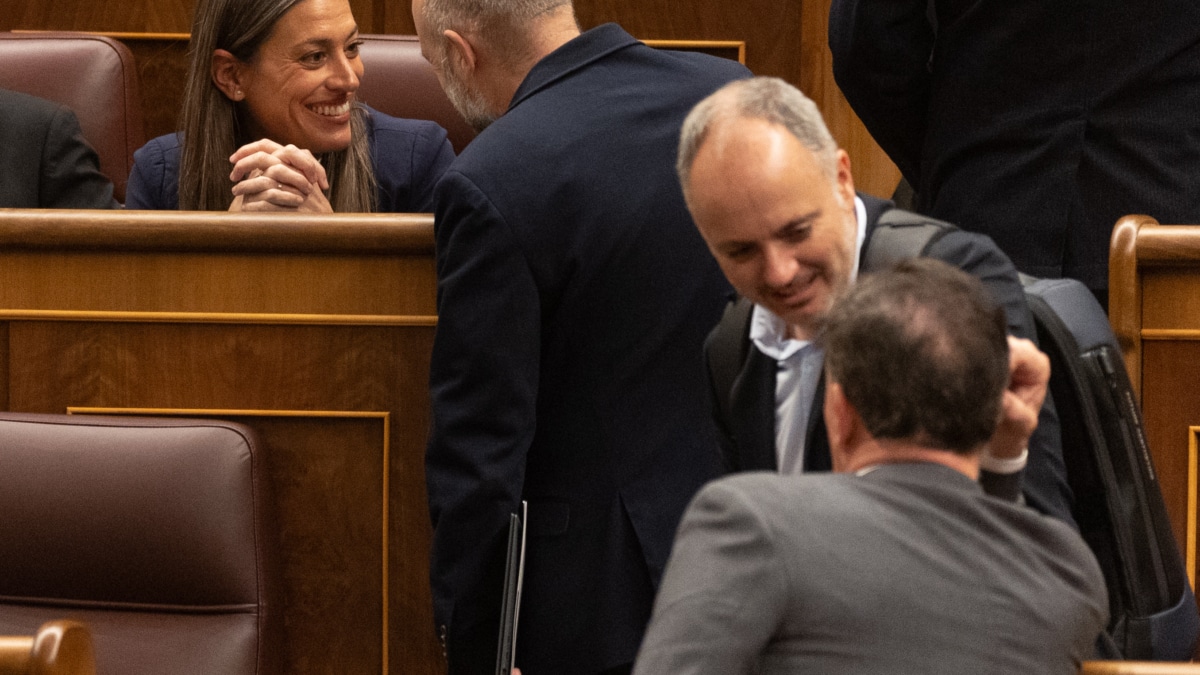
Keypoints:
pixel 800 366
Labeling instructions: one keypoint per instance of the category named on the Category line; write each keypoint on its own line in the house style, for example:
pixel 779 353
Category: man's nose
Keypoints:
pixel 779 266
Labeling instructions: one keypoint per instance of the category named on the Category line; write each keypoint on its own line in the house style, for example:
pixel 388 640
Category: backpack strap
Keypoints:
pixel 900 235
pixel 727 350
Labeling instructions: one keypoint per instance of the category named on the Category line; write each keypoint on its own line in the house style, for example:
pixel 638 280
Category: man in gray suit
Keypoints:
pixel 897 563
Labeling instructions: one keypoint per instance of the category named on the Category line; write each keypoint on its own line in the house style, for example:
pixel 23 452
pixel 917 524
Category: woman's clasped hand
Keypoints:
pixel 268 176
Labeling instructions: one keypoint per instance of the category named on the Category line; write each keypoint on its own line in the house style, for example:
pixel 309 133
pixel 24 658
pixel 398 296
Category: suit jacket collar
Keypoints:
pixel 924 474
pixel 875 208
pixel 588 47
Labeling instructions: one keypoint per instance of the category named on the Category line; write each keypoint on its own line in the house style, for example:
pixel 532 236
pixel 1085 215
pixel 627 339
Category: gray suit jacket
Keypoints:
pixel 907 569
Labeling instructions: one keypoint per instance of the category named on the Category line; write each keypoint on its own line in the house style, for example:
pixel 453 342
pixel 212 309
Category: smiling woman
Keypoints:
pixel 270 97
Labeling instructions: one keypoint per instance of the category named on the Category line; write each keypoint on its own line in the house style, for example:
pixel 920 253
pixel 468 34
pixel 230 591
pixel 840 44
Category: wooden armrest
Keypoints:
pixel 59 648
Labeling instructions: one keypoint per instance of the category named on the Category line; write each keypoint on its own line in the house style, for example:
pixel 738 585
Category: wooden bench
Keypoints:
pixel 315 331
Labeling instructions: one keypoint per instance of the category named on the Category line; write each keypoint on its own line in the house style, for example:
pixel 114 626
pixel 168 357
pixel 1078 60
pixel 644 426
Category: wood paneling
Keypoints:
pixel 1171 406
pixel 873 172
pixel 770 28
pixel 315 331
pixel 162 66
pixel 784 38
pixel 132 16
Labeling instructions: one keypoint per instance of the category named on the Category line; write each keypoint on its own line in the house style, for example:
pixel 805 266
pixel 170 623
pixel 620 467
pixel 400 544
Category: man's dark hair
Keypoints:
pixel 921 353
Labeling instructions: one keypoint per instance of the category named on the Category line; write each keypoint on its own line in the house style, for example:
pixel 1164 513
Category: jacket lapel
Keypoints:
pixel 752 408
pixel 816 443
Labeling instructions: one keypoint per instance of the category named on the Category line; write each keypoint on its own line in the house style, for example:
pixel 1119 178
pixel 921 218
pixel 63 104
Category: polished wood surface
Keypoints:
pixel 1154 308
pixel 315 331
pixel 215 231
pixel 162 67
pixel 783 38
pixel 1125 294
pixel 1138 668
pixel 59 648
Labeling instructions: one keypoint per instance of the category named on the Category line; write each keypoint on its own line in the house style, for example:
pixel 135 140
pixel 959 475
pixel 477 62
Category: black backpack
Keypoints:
pixel 1118 505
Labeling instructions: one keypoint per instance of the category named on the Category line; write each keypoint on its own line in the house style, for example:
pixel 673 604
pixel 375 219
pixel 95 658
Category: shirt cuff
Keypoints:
pixel 1004 466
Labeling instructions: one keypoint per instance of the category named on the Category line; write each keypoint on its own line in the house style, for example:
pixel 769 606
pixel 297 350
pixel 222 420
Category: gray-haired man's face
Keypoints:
pixel 782 232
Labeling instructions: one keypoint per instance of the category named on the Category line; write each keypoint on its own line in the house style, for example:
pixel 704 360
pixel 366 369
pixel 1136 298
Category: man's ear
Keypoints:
pixel 842 424
pixel 843 180
pixel 461 51
pixel 228 75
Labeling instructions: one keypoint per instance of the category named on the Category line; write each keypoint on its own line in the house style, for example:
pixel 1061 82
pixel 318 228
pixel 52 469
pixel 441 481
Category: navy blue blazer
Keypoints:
pixel 409 156
pixel 1037 122
pixel 44 160
pixel 574 294
pixel 747 432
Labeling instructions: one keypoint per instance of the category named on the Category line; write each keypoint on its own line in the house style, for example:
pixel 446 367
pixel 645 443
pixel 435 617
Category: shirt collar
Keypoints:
pixel 769 333
pixel 860 215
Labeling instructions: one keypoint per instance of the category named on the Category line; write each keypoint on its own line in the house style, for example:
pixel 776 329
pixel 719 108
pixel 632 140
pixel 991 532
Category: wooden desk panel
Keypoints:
pixel 315 332
pixel 1171 408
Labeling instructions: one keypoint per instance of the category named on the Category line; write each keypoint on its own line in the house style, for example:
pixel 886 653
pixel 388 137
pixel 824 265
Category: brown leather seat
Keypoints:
pixel 400 82
pixel 59 648
pixel 156 533
pixel 94 76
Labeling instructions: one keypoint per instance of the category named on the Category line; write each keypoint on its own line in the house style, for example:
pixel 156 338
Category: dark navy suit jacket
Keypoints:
pixel 44 160
pixel 747 431
pixel 1037 122
pixel 409 156
pixel 574 294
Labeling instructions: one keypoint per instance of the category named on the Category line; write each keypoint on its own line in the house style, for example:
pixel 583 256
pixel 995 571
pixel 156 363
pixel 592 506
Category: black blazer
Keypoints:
pixel 747 432
pixel 574 294
pixel 1037 122
pixel 44 161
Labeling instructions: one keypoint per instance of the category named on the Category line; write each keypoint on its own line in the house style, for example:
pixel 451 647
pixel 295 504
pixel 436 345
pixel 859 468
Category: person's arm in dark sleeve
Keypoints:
pixel 71 177
pixel 484 377
pixel 881 51
pixel 153 184
pixel 718 402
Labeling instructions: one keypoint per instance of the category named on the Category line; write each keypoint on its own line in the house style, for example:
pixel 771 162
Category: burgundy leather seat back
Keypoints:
pixel 398 81
pixel 158 534
pixel 94 76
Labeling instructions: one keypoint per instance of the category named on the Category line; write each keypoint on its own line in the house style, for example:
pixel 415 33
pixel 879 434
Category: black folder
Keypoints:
pixel 514 576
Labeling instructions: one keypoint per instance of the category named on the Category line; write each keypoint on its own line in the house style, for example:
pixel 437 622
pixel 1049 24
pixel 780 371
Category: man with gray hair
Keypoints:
pixel 574 294
pixel 774 199
pixel 898 563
